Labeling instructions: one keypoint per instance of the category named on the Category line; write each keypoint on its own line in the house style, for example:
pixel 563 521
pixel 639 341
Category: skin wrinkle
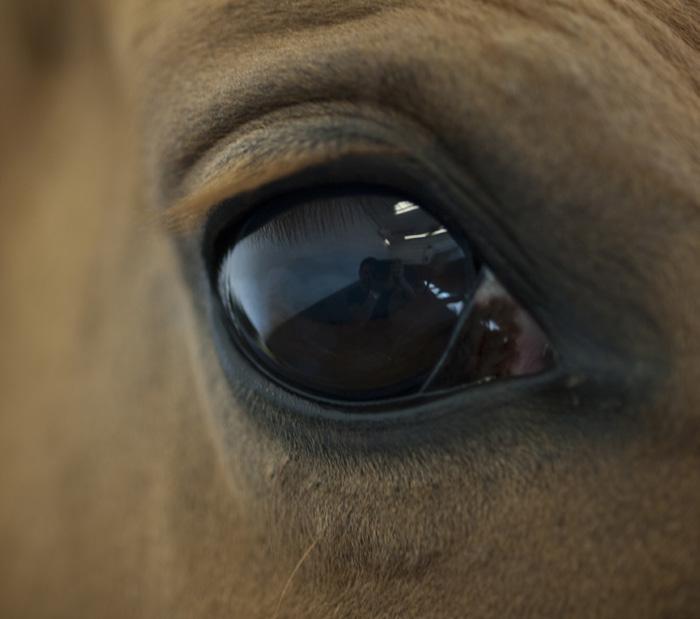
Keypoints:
pixel 659 38
pixel 242 112
pixel 142 476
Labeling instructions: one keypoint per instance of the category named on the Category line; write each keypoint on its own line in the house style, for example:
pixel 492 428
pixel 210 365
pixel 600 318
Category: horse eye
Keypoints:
pixel 362 295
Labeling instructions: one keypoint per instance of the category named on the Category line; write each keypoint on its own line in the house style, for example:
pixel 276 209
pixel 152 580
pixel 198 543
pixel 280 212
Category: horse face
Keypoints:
pixel 561 138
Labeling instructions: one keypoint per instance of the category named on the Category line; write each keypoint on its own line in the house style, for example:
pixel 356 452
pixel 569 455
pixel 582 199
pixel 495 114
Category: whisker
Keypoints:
pixel 301 561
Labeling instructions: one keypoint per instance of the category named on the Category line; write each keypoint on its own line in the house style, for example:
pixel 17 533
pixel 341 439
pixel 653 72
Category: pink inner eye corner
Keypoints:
pixel 499 340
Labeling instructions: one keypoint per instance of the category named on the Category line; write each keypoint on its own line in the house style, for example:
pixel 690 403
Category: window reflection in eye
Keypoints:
pixel 363 295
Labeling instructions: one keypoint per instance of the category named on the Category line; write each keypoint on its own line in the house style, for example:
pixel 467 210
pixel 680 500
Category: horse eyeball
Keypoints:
pixel 362 295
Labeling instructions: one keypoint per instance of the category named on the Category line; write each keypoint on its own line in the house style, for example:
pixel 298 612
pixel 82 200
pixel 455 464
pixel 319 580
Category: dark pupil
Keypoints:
pixel 351 296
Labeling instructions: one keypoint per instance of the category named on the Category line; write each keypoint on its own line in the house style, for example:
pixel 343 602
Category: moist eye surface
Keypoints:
pixel 364 295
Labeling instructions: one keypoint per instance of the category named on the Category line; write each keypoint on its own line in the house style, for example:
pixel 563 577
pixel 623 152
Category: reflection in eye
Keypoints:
pixel 365 295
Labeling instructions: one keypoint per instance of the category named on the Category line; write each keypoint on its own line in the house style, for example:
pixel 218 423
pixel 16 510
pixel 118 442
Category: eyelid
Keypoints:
pixel 250 174
pixel 288 143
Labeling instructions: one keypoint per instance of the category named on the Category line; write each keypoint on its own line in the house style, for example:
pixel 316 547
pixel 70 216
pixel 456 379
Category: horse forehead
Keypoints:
pixel 143 21
pixel 170 48
pixel 191 62
pixel 188 30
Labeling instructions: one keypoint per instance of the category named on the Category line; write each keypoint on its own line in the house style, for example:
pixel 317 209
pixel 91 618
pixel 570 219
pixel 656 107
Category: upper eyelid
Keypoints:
pixel 285 146
pixel 250 174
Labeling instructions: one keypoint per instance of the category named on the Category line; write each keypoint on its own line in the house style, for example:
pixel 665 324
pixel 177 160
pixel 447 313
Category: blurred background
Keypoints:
pixel 65 168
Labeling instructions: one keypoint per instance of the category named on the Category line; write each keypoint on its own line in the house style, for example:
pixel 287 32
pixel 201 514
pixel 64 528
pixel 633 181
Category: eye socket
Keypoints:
pixel 359 294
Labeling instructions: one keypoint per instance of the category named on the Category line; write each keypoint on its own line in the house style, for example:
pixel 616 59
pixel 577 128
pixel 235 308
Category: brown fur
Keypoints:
pixel 134 481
